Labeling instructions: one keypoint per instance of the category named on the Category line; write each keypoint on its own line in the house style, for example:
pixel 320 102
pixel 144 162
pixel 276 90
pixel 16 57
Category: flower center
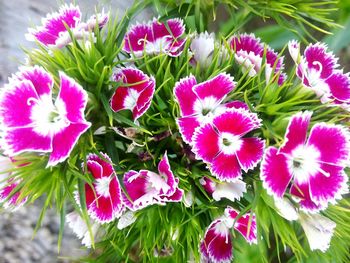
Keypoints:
pixel 205 108
pixel 304 163
pixel 102 186
pixel 229 143
pixel 131 100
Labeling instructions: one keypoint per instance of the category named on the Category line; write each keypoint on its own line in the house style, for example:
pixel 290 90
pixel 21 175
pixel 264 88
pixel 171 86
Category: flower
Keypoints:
pixel 54 31
pixel 318 229
pixel 137 93
pixel 156 37
pixel 199 102
pixel 202 47
pixel 249 52
pixel 31 122
pixel 315 166
pixel 318 71
pixel 221 145
pixel 217 243
pixel 104 198
pixel 79 227
pixel 232 190
pixel 146 188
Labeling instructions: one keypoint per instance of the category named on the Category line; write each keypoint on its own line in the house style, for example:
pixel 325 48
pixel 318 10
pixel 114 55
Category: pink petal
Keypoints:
pixel 134 78
pixel 177 47
pixel 105 164
pixel 226 167
pixel 175 197
pixel 185 95
pixel 339 85
pixel 94 168
pixel 248 43
pixel 187 127
pixel 144 100
pixel 16 102
pixel 217 242
pixel 74 97
pixel 250 153
pixel 217 87
pixel 166 173
pixel 41 79
pixel 236 121
pixel 274 172
pixel 206 143
pixel 18 140
pixel 319 59
pixel 54 24
pixel 328 188
pixel 64 141
pixel 208 184
pixel 236 104
pixel 302 192
pixel 296 131
pixel 137 113
pixel 172 27
pixel 13 202
pixel 136 38
pixel 117 101
pixel 332 141
pixel 273 60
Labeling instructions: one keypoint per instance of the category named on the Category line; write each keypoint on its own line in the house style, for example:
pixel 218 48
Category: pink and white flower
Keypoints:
pixel 156 37
pixel 104 198
pixel 202 47
pixel 318 70
pixel 199 102
pixel 146 188
pixel 314 167
pixel 250 52
pixel 217 243
pixel 136 94
pixel 54 31
pixel 222 145
pixel 31 122
pixel 218 190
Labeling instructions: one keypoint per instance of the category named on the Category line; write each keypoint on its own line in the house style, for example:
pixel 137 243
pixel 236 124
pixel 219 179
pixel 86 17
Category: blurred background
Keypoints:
pixel 17 243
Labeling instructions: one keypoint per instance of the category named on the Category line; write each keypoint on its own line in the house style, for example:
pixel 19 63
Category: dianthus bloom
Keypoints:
pixel 217 243
pixel 54 31
pixel 31 122
pixel 136 92
pixel 146 188
pixel 250 52
pixel 314 167
pixel 318 70
pixel 156 37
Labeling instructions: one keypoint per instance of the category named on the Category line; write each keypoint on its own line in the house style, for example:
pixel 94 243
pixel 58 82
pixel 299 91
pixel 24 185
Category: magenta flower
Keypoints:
pixel 314 166
pixel 249 52
pixel 31 122
pixel 221 144
pixel 318 70
pixel 54 33
pixel 156 37
pixel 104 199
pixel 217 243
pixel 146 188
pixel 199 102
pixel 137 93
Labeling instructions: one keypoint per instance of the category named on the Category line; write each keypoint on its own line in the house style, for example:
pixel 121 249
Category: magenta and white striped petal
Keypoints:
pixel 296 131
pixel 301 193
pixel 185 96
pixel 54 25
pixel 247 43
pixel 136 187
pixel 14 201
pixel 274 172
pixel 208 184
pixel 236 104
pixel 294 50
pixel 339 86
pixel 246 225
pixel 250 153
pixel 217 244
pixel 104 200
pixel 187 126
pixel 226 168
pixel 137 93
pixel 232 191
pixel 99 20
pixel 167 175
pixel 206 143
pixel 137 37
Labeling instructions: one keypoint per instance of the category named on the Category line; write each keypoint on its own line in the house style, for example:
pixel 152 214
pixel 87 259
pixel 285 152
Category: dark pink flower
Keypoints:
pixel 31 122
pixel 137 93
pixel 318 70
pixel 156 37
pixel 314 166
pixel 217 243
pixel 104 199
pixel 54 33
pixel 222 145
pixel 250 52
pixel 199 102
pixel 146 188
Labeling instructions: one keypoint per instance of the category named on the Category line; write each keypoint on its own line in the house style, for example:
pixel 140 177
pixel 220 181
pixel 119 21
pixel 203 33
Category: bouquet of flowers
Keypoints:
pixel 159 141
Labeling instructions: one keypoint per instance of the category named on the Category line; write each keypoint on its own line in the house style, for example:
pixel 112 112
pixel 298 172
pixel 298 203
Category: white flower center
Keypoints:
pixel 304 163
pixel 229 143
pixel 47 118
pixel 157 46
pixel 205 109
pixel 131 99
pixel 102 186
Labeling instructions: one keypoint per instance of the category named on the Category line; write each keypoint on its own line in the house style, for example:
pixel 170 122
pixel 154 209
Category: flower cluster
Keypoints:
pixel 153 129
